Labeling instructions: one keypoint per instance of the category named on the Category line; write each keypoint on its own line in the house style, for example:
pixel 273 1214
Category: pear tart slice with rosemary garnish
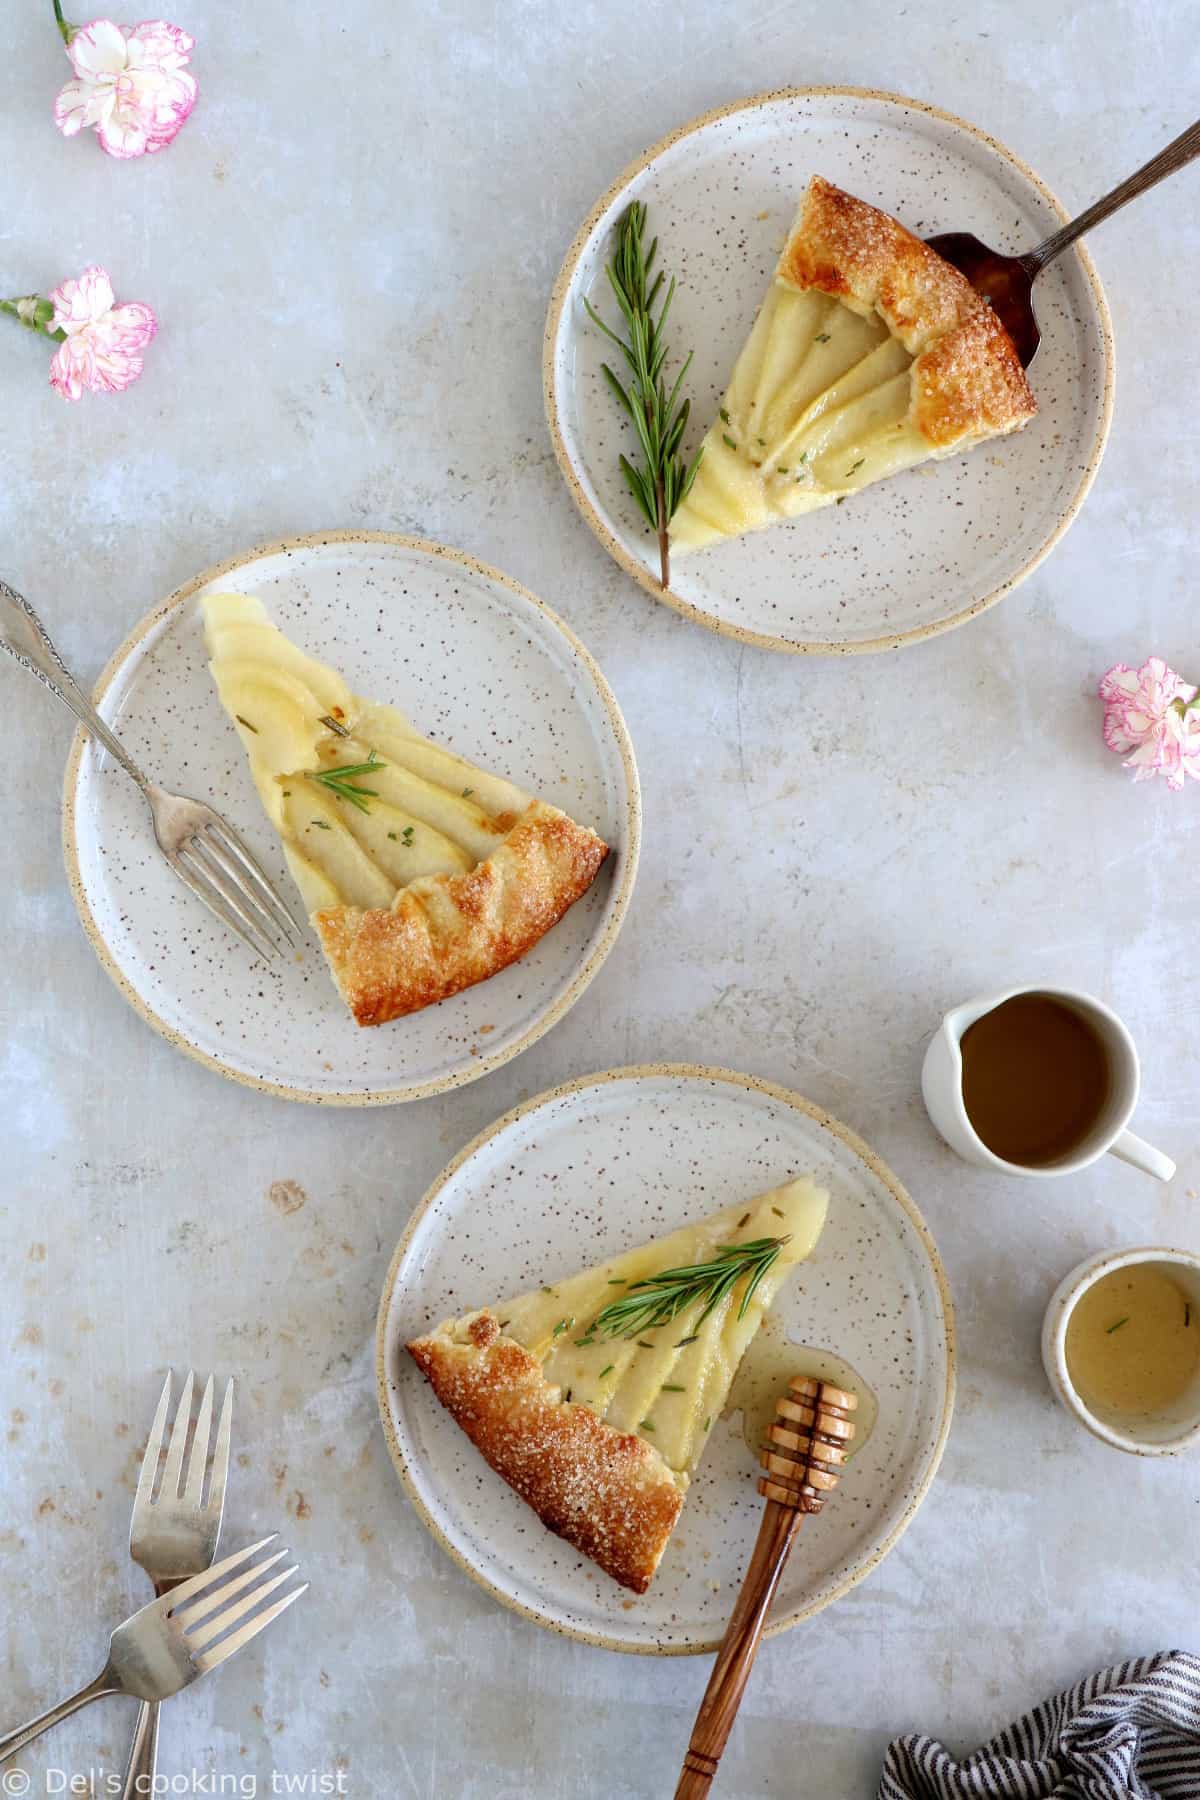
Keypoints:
pixel 594 1398
pixel 422 874
pixel 869 354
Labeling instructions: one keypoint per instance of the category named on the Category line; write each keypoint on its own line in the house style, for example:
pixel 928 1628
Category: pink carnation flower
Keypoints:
pixel 131 85
pixel 1149 720
pixel 103 347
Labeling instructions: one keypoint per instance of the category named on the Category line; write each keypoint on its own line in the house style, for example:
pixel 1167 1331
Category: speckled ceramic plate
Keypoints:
pixel 593 1168
pixel 475 661
pixel 908 557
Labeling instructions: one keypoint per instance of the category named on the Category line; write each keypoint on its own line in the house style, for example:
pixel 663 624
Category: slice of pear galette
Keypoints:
pixel 422 873
pixel 594 1398
pixel 869 354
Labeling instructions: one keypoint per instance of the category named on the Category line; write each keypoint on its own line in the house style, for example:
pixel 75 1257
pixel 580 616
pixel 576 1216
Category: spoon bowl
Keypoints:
pixel 1006 282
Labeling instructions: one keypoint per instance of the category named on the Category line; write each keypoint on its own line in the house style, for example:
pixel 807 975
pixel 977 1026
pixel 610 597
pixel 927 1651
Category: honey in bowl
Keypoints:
pixel 1035 1079
pixel 1133 1344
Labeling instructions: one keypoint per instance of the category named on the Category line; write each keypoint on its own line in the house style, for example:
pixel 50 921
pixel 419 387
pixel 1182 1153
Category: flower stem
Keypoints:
pixel 68 31
pixel 35 312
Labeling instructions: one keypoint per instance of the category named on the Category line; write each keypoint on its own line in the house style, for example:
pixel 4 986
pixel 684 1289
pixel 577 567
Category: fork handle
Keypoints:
pixel 25 1734
pixel 1177 154
pixel 143 1753
pixel 24 636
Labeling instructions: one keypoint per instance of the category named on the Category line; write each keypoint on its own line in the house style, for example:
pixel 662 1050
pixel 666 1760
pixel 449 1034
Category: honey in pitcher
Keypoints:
pixel 1035 1079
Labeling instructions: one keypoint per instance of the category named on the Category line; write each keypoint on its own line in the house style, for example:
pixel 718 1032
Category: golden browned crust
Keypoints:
pixel 608 1492
pixel 444 933
pixel 968 383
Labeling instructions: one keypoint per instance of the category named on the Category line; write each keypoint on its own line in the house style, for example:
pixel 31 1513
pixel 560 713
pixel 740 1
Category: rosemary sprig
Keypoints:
pixel 662 478
pixel 662 1297
pixel 340 781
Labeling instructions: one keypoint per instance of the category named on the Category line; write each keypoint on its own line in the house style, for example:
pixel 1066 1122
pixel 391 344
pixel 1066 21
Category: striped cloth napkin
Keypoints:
pixel 1129 1733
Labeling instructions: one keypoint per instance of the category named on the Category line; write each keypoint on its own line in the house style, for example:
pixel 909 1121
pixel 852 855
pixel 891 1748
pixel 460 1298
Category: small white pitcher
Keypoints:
pixel 941 1085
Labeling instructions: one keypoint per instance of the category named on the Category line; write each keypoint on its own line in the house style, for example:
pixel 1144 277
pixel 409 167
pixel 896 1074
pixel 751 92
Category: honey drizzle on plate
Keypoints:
pixel 770 1363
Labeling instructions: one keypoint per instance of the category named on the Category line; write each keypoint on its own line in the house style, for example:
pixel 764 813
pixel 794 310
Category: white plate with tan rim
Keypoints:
pixel 595 1167
pixel 909 557
pixel 476 662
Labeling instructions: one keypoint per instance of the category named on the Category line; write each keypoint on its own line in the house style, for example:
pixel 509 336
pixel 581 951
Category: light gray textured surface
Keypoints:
pixel 350 248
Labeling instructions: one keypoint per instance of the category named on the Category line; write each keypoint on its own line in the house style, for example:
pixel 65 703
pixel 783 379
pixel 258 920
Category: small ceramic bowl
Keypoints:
pixel 1178 1426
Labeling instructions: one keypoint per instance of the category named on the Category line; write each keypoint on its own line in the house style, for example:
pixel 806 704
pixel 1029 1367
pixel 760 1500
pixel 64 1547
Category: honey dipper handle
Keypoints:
pixel 735 1659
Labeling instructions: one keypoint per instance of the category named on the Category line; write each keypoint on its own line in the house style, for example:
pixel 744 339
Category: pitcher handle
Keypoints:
pixel 1133 1149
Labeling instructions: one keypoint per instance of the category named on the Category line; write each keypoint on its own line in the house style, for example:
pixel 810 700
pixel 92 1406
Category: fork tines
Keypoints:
pixel 182 1480
pixel 221 1610
pixel 221 871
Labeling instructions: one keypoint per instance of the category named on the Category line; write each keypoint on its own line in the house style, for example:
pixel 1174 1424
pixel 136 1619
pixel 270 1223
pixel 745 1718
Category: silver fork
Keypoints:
pixel 177 1639
pixel 201 847
pixel 174 1534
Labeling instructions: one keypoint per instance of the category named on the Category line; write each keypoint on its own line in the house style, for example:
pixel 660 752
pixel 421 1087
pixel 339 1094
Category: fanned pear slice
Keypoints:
pixel 422 874
pixel 598 1417
pixel 869 354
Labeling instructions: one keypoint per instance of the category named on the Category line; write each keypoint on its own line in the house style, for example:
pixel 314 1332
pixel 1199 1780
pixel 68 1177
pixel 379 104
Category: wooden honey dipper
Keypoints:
pixel 803 1457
